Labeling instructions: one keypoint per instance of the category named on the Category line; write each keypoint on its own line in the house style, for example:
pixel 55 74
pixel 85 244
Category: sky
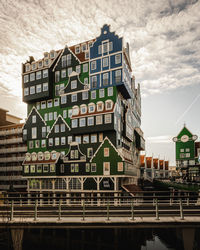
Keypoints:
pixel 164 38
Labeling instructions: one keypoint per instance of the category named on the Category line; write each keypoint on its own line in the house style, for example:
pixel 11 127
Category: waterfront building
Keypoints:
pixel 12 153
pixel 83 117
pixel 187 155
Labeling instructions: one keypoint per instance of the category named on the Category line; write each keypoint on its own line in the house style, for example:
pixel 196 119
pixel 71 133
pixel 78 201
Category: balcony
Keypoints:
pixel 11 132
pixel 10 168
pixel 10 178
pixel 11 141
pixel 13 150
pixel 12 159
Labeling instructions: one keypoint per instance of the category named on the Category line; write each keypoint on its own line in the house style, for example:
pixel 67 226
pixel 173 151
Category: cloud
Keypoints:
pixel 160 139
pixel 164 36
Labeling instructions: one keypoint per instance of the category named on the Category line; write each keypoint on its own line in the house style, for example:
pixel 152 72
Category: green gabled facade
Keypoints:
pixel 83 117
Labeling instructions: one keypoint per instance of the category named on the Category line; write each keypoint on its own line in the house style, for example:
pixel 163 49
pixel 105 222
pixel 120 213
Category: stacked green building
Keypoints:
pixel 84 116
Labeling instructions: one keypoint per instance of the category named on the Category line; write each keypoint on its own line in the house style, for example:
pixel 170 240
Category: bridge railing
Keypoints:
pixel 98 204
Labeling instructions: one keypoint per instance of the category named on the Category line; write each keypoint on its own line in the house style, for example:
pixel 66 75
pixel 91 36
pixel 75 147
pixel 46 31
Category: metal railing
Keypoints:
pixel 99 205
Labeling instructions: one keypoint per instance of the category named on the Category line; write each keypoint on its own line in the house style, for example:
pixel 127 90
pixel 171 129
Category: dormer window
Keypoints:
pixel 27 67
pixel 34 65
pixel 91 108
pixel 46 62
pixel 100 106
pixel 109 104
pixel 34 156
pixel 46 55
pixel 77 49
pixel 40 156
pixel 74 84
pixel 84 47
pixel 52 54
pixel 90 44
pixel 75 110
pixel 47 155
pixel 40 64
pixel 86 55
pixel 83 109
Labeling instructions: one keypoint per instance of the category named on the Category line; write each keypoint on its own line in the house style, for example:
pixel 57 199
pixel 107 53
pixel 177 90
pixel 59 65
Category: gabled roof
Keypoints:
pixel 74 144
pixel 185 129
pixel 29 115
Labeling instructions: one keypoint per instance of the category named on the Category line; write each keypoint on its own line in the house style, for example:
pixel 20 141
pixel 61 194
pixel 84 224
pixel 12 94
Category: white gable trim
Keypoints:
pixel 34 108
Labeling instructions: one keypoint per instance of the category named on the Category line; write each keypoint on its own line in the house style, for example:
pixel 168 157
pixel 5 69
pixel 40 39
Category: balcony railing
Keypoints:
pixel 10 168
pixel 11 131
pixel 10 177
pixel 10 141
pixel 12 159
pixel 13 150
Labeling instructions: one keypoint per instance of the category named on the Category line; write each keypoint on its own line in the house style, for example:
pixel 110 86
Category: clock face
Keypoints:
pixel 175 139
pixel 194 137
pixel 184 138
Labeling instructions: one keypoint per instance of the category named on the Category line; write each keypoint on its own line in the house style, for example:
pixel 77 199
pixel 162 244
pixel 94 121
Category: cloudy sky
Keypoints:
pixel 164 39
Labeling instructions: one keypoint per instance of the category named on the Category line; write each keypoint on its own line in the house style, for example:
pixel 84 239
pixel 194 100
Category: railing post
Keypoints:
pixel 12 210
pixel 157 212
pixel 108 210
pixel 188 199
pixel 20 202
pixel 132 211
pixel 83 209
pixel 181 209
pixel 154 198
pixel 36 204
pixel 59 210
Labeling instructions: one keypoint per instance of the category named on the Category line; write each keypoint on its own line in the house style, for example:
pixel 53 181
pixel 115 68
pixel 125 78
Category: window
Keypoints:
pixel 85 139
pixel 55 115
pixel 105 62
pixel 89 152
pixel 74 123
pixel 75 110
pixel 99 119
pixel 106 168
pixel 74 97
pixel 26 169
pixel 64 61
pixel 63 73
pixel 85 67
pixel 87 167
pixel 93 94
pixel 37 144
pixel 94 81
pixel 56 102
pixel 52 168
pixel 69 59
pixel 91 107
pixel 100 49
pixel 90 121
pixel 26 91
pixel 76 168
pixel 37 105
pixel 62 127
pixel 70 113
pixel 63 99
pixel 34 66
pixel 78 69
pixel 52 54
pixel 57 128
pixel 69 71
pixel 85 95
pixel 110 46
pixel 46 62
pixel 85 80
pixel 30 144
pixel 34 133
pixel 47 154
pixel 50 116
pixel 49 104
pixel 105 79
pixel 32 77
pixel 108 118
pixel 187 155
pixel 182 150
pixel 32 90
pixel 43 132
pixel 93 65
pixel 38 75
pixel 78 139
pixel 45 168
pixel 27 67
pixel 100 137
pixel 38 88
pixel 57 141
pixel 83 109
pixel 24 132
pixel 93 167
pixel 74 84
pixel 72 168
pixel 101 93
pixel 43 144
pixel 69 139
pixel 106 152
pixel 109 104
pixel 187 150
pixel 32 168
pixel 57 76
pixel 118 76
pixel 77 49
pixel 118 59
pixel 34 119
pixel 105 47
pixel 45 86
pixel 50 142
pixel 82 122
pixel 87 55
pixel 93 138
pixel 100 106
pixel 26 78
pixel 64 112
pixel 84 47
pixel 45 73
pixel 72 154
pixel 63 140
pixel 110 91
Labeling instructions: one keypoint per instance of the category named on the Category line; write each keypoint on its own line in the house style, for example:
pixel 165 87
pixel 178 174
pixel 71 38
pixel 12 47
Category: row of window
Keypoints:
pixel 81 122
pixel 36 76
pixel 105 78
pixel 36 89
pixel 105 47
pixel 105 62
pixel 182 150
pixel 83 47
pixel 43 168
pixel 184 155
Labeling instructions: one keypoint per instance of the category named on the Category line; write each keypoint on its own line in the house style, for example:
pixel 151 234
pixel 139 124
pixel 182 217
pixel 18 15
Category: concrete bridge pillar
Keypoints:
pixel 188 238
pixel 17 238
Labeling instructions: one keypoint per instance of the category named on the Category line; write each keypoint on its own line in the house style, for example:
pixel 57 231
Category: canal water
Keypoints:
pixel 99 239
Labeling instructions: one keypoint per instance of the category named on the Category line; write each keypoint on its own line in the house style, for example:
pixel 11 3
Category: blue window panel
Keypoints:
pixel 103 61
pixel 113 64
pixel 98 67
pixel 105 81
pixel 93 85
pixel 116 80
pixel 106 35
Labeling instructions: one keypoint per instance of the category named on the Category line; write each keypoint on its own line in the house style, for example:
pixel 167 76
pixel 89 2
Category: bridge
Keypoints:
pixel 100 210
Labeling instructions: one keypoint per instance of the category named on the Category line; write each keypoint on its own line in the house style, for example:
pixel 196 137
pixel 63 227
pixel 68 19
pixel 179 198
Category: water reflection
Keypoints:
pixel 112 239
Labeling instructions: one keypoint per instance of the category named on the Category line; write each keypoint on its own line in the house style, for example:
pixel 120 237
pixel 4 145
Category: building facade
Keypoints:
pixel 84 116
pixel 12 153
pixel 187 155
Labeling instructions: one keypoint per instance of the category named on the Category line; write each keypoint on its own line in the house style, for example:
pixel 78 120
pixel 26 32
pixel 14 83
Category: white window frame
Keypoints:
pixel 93 65
pixel 82 122
pixel 72 98
pixel 74 123
pixel 99 119
pixel 106 168
pixel 108 118
pixel 118 59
